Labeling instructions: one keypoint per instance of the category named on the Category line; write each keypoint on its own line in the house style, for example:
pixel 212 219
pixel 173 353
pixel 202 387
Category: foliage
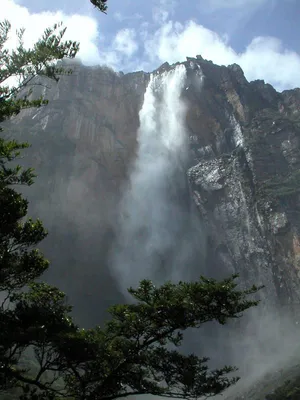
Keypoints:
pixel 20 66
pixel 290 390
pixel 131 355
pixel 283 186
pixel 100 4
pixel 30 313
pixel 135 353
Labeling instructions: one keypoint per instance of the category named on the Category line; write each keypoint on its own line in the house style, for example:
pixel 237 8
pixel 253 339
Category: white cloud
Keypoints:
pixel 174 41
pixel 125 43
pixel 119 54
pixel 79 27
pixel 151 44
pixel 264 58
pixel 162 10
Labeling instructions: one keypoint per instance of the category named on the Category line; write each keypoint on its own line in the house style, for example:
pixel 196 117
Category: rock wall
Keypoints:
pixel 81 146
pixel 243 174
pixel 245 180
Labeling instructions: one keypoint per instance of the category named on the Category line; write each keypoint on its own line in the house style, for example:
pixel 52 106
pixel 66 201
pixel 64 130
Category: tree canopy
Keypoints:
pixel 131 354
pixel 23 313
pixel 44 355
pixel 100 4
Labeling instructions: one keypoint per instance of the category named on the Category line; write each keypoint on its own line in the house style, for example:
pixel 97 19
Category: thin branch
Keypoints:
pixel 174 395
pixel 40 385
pixel 5 299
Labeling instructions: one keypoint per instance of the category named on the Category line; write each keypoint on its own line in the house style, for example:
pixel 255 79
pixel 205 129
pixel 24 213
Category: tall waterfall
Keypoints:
pixel 151 231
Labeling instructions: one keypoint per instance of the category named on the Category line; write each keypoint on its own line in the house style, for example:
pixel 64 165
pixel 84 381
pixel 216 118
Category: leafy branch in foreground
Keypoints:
pixel 22 319
pixel 131 355
pixel 19 67
pixel 100 4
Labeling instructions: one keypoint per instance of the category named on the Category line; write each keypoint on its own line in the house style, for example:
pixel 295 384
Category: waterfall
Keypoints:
pixel 152 233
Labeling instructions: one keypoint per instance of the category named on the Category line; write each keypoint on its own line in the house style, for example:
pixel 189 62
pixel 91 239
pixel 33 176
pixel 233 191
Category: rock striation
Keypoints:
pixel 243 173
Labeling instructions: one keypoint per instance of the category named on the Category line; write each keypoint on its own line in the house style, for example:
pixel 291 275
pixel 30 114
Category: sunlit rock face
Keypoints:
pixel 241 176
pixel 245 179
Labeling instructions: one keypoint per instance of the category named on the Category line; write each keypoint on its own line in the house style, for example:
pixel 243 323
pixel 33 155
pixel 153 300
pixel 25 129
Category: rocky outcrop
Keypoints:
pixel 243 171
pixel 245 180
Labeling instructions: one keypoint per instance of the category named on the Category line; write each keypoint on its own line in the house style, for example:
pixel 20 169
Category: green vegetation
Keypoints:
pixel 44 355
pixel 283 186
pixel 290 390
pixel 23 65
pixel 100 4
pixel 25 306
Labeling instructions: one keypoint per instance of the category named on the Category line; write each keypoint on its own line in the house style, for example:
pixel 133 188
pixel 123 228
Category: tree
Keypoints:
pixel 21 66
pixel 100 4
pixel 23 314
pixel 131 355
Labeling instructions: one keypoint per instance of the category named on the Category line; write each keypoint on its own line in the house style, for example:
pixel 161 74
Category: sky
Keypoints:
pixel 262 36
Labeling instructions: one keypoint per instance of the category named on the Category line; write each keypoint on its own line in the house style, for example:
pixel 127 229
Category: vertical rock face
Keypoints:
pixel 243 172
pixel 81 147
pixel 245 180
pixel 94 112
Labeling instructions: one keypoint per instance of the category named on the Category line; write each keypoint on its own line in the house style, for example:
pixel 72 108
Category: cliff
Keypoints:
pixel 242 173
pixel 245 180
pixel 244 160
pixel 81 146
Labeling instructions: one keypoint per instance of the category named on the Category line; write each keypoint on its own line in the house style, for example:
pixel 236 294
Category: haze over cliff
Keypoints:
pixel 191 170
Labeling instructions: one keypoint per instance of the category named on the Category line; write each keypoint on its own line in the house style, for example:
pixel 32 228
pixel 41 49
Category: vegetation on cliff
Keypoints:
pixel 283 186
pixel 290 390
